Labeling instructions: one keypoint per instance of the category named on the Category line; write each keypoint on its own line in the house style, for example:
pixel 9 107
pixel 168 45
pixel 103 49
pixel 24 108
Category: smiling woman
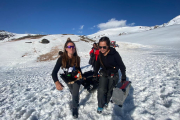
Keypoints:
pixel 110 62
pixel 69 61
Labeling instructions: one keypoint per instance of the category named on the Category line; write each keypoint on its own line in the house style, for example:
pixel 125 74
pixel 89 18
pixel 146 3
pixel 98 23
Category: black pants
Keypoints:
pixel 105 89
pixel 74 90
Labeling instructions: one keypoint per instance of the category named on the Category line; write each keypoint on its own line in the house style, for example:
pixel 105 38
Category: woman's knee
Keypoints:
pixel 101 90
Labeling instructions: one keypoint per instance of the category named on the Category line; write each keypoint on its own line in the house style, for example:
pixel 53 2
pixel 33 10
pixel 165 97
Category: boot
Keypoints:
pixel 99 110
pixel 75 113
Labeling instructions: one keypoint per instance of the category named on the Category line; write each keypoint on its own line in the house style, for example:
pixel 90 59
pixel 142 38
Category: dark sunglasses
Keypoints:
pixel 104 47
pixel 70 47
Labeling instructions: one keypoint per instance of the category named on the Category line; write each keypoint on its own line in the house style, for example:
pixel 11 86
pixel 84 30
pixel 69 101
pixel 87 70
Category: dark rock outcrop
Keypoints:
pixel 45 41
pixel 5 34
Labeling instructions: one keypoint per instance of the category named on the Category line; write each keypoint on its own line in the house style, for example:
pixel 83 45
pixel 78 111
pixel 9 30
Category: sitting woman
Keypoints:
pixel 69 61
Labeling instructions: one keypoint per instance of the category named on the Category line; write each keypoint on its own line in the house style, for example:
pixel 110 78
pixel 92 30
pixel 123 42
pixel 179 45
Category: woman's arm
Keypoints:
pixel 121 65
pixel 92 51
pixel 97 66
pixel 96 54
pixel 59 86
pixel 56 69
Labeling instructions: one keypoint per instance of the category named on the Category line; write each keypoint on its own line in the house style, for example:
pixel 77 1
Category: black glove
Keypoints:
pixel 123 79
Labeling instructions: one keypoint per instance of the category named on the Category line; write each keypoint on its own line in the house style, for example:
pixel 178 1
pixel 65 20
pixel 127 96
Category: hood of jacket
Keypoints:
pixel 112 51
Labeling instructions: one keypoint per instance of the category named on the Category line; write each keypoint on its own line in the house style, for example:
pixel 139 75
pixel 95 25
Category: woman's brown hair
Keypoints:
pixel 75 61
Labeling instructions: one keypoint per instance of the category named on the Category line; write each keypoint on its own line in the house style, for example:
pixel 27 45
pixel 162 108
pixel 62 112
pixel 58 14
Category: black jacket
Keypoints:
pixel 111 60
pixel 57 67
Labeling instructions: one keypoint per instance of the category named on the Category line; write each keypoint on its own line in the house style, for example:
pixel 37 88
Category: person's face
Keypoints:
pixel 70 48
pixel 103 47
pixel 94 46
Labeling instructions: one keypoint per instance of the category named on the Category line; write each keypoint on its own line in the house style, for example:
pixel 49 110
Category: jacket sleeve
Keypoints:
pixel 80 69
pixel 92 51
pixel 56 69
pixel 97 66
pixel 96 54
pixel 121 65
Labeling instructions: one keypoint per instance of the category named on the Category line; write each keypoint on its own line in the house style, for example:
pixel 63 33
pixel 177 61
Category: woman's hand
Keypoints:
pixel 59 86
pixel 84 78
pixel 94 75
pixel 123 80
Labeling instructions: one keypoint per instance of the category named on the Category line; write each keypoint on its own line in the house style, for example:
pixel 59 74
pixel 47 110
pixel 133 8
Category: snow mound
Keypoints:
pixel 174 21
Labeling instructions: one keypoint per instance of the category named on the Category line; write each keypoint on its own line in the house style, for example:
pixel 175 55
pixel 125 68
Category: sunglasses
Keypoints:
pixel 70 47
pixel 104 47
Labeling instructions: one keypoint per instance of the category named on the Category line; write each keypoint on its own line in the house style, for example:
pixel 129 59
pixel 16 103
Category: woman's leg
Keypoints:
pixel 102 90
pixel 70 86
pixel 112 82
pixel 75 94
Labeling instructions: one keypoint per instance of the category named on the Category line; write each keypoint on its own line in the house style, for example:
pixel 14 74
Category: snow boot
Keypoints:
pixel 75 113
pixel 99 110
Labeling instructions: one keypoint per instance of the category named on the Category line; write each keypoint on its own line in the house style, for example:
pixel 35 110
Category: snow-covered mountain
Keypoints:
pixel 129 30
pixel 8 36
pixel 168 37
pixel 174 21
pixel 119 31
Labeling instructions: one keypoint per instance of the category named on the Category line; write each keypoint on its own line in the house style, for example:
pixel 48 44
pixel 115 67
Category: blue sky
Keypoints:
pixel 82 17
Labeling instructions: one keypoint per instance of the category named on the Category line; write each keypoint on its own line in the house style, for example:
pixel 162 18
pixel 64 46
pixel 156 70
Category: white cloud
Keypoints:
pixel 73 28
pixel 132 24
pixel 113 23
pixel 79 31
pixel 93 27
pixel 81 27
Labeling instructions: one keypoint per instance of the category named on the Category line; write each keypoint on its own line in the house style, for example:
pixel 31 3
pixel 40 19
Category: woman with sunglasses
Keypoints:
pixel 110 61
pixel 69 61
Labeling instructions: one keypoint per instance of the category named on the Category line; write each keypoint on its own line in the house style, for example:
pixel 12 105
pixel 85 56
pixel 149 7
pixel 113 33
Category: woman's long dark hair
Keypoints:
pixel 107 40
pixel 75 61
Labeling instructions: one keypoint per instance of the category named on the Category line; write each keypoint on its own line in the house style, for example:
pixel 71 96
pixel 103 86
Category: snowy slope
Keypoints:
pixel 14 50
pixel 28 92
pixel 174 21
pixel 119 31
pixel 167 37
pixel 129 30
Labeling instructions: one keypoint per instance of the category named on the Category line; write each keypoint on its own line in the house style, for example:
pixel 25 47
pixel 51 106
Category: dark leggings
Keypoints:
pixel 74 90
pixel 105 89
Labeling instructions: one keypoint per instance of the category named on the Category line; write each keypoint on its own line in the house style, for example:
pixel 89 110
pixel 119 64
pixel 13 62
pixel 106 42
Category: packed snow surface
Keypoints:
pixel 27 90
